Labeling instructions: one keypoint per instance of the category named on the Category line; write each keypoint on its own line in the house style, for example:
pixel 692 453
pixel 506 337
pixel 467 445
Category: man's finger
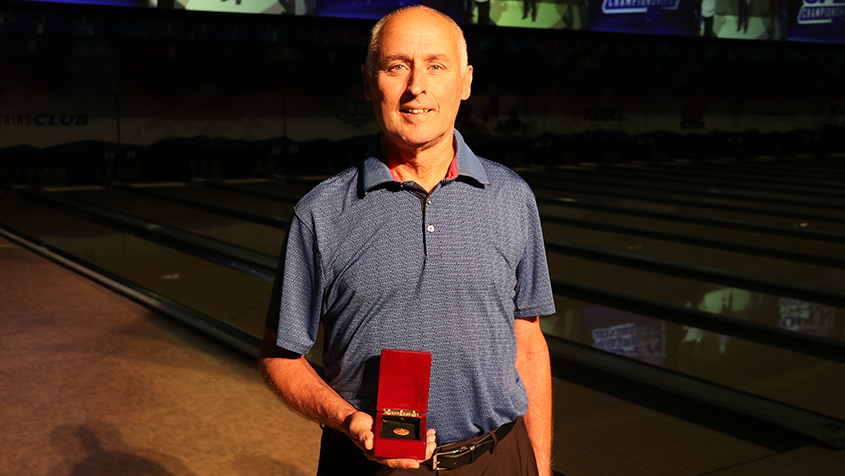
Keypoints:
pixel 368 440
pixel 430 443
pixel 397 463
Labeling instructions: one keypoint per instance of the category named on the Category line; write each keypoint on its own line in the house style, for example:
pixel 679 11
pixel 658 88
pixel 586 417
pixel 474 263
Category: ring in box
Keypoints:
pixel 402 404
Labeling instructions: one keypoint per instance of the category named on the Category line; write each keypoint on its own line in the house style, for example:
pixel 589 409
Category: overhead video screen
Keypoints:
pixel 375 9
pixel 656 17
pixel 821 21
pixel 113 3
pixel 742 19
pixel 794 20
pixel 547 14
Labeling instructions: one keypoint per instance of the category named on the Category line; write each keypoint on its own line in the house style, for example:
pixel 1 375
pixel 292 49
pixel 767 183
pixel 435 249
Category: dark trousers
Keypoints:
pixel 742 15
pixel 512 456
pixel 708 27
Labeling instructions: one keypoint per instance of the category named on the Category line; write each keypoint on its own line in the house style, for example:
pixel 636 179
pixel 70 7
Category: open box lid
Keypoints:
pixel 404 380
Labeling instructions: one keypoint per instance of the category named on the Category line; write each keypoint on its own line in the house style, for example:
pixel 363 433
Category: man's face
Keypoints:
pixel 418 81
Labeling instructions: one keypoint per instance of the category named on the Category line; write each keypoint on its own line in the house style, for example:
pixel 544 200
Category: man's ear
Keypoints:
pixel 467 88
pixel 365 75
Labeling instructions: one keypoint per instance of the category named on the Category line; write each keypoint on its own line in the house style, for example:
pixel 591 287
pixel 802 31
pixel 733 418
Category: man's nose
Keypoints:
pixel 416 81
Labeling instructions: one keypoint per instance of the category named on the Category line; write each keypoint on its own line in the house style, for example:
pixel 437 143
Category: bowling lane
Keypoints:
pixel 579 177
pixel 680 176
pixel 297 186
pixel 786 312
pixel 176 276
pixel 253 236
pixel 769 216
pixel 756 182
pixel 805 170
pixel 596 434
pixel 786 243
pixel 807 210
pixel 225 198
pixel 789 377
pixel 789 270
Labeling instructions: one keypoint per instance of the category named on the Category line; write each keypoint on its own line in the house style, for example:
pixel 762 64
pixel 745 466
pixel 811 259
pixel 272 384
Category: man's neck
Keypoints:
pixel 425 166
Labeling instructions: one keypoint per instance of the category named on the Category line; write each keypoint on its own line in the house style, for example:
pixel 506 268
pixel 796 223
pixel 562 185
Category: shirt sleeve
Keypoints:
pixel 533 293
pixel 295 305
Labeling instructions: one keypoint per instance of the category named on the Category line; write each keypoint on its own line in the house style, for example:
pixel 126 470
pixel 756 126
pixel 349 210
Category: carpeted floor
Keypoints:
pixel 94 384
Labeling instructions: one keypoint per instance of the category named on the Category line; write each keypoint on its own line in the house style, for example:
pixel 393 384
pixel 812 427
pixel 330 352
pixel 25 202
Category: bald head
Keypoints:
pixel 417 76
pixel 396 15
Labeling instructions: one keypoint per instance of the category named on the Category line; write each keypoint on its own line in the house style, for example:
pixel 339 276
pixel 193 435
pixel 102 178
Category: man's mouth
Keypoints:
pixel 415 110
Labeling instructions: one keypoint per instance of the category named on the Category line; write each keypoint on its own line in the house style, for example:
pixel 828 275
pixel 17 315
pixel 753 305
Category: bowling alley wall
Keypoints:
pixel 127 94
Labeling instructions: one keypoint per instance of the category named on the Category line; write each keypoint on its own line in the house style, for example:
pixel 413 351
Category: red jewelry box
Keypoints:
pixel 403 383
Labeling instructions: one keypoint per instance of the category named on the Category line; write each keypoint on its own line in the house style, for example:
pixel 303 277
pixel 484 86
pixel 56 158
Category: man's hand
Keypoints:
pixel 293 379
pixel 359 427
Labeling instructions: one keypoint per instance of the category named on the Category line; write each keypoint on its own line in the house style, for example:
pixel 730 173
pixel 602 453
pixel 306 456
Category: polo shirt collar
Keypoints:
pixel 375 172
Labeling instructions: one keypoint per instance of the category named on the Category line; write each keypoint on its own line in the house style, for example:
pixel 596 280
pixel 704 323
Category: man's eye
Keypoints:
pixel 436 67
pixel 396 67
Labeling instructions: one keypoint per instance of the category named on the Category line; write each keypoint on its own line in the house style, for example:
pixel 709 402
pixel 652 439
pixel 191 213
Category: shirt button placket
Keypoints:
pixel 430 228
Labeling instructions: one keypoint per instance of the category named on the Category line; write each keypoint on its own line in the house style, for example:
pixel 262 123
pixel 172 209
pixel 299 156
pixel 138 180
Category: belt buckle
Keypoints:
pixel 435 464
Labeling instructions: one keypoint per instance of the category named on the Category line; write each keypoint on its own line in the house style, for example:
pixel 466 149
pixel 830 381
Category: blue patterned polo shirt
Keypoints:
pixel 380 271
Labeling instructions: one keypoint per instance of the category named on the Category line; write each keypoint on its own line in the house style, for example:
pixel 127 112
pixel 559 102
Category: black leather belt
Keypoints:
pixel 467 454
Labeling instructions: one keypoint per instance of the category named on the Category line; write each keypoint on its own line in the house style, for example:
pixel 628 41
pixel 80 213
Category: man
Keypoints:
pixel 422 246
